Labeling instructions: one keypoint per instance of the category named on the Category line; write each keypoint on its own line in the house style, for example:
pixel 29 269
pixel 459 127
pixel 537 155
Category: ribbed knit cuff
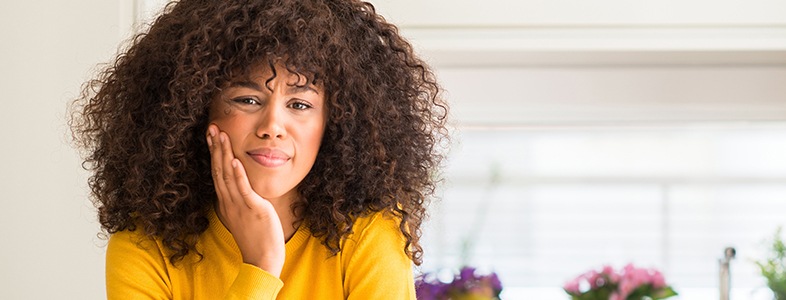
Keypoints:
pixel 255 283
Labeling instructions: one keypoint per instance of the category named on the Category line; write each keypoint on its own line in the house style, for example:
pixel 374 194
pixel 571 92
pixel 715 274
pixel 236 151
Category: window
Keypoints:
pixel 541 206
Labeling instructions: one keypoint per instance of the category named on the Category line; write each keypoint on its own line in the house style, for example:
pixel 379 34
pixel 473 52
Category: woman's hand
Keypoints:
pixel 252 220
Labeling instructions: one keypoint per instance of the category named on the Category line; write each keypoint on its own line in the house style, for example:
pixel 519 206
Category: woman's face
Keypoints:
pixel 275 130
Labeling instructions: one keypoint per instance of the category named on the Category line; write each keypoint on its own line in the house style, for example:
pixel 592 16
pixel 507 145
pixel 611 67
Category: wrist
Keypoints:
pixel 270 263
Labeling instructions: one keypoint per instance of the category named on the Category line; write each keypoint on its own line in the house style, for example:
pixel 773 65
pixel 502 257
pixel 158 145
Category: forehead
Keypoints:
pixel 265 72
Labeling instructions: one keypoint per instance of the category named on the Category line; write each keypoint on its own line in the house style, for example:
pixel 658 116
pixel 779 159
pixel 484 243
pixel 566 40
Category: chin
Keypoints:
pixel 269 191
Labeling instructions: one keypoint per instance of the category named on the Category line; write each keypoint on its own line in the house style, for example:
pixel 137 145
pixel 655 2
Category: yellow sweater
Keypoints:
pixel 371 265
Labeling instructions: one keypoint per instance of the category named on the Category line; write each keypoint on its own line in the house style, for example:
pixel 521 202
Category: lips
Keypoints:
pixel 269 157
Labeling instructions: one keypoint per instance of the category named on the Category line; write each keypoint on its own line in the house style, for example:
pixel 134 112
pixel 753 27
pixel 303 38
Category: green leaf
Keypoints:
pixel 773 268
pixel 664 293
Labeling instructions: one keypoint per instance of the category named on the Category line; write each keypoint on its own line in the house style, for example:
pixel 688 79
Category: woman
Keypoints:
pixel 263 149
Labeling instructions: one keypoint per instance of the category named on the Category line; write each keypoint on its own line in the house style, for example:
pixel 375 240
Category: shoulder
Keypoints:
pixel 377 233
pixel 131 245
pixel 374 224
pixel 137 237
pixel 135 263
pixel 374 259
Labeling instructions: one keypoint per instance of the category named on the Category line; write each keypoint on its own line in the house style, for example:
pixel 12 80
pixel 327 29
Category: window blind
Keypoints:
pixel 540 207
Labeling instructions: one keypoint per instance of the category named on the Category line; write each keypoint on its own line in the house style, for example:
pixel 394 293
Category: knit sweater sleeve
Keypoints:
pixel 136 268
pixel 254 283
pixel 376 265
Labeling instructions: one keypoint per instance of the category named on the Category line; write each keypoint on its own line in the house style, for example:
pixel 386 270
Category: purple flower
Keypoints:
pixel 467 273
pixel 496 284
pixel 465 283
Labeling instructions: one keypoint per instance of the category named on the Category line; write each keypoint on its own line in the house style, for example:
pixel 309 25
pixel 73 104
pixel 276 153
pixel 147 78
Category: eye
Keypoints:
pixel 299 105
pixel 246 101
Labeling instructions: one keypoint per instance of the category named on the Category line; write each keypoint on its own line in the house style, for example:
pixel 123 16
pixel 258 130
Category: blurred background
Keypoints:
pixel 585 133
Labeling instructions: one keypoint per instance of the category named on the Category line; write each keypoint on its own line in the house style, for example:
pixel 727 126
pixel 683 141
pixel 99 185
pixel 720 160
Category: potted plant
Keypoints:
pixel 629 283
pixel 773 268
pixel 466 285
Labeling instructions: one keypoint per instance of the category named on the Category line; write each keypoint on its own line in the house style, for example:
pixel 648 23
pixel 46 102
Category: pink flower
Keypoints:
pixel 573 286
pixel 595 279
pixel 611 274
pixel 636 277
pixel 625 287
pixel 619 285
pixel 608 270
pixel 658 282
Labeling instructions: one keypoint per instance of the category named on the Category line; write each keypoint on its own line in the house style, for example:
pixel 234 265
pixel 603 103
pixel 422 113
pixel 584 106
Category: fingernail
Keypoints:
pixel 221 137
pixel 234 163
pixel 212 131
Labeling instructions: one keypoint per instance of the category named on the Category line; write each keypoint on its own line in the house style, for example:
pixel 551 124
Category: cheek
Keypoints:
pixel 315 143
pixel 224 117
pixel 217 110
pixel 309 141
pixel 234 125
pixel 315 140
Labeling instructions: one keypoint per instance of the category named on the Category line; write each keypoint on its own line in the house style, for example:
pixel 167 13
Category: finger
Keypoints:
pixel 210 134
pixel 216 165
pixel 227 174
pixel 243 184
pixel 229 167
pixel 215 153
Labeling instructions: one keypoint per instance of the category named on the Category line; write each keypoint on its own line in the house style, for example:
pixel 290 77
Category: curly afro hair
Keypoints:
pixel 142 120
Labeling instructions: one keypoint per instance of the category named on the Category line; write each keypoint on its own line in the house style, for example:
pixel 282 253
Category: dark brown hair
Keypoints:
pixel 142 121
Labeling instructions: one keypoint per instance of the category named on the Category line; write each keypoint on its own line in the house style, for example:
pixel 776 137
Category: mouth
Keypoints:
pixel 269 158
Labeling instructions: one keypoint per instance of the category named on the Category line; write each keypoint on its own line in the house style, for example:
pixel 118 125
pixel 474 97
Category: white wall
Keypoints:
pixel 440 13
pixel 47 49
pixel 614 95
pixel 565 62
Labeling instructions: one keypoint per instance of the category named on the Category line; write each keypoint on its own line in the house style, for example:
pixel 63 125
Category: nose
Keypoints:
pixel 271 123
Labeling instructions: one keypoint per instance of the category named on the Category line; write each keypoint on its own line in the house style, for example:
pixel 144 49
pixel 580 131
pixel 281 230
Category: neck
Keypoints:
pixel 283 207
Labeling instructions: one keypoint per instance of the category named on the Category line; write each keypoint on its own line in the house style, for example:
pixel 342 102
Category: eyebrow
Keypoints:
pixel 247 84
pixel 302 88
pixel 290 88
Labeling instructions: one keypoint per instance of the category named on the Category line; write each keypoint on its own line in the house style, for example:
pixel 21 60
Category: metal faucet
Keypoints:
pixel 725 281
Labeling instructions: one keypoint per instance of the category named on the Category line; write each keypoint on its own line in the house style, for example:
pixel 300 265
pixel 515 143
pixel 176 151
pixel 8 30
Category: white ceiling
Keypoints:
pixel 571 32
